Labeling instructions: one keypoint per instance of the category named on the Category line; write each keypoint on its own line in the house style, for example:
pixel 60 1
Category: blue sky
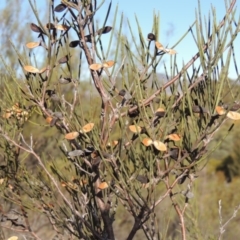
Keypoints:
pixel 175 18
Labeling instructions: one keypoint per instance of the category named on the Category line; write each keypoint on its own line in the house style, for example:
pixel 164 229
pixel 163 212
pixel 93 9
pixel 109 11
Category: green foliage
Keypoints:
pixel 88 154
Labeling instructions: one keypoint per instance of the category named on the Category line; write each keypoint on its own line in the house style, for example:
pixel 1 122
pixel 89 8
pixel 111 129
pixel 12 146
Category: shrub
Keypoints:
pixel 121 144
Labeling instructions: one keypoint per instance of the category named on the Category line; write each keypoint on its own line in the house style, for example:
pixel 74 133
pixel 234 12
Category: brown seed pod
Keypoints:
pixel 108 64
pixel 159 46
pixel 112 143
pixel 32 44
pixel 103 185
pixel 170 51
pixel 220 110
pixel 235 107
pixel 95 66
pixel 74 44
pixel 151 37
pixel 60 7
pixel 104 30
pixel 135 128
pixel 160 146
pixel 36 28
pixel 233 115
pixel 88 38
pixel 49 119
pixel 160 112
pixel 50 26
pixel 31 69
pixel 147 142
pixel 88 127
pixel 71 135
pixel 174 137
pixel 62 27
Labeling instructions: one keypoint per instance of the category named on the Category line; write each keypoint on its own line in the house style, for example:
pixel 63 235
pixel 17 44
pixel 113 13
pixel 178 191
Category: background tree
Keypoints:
pixel 132 143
